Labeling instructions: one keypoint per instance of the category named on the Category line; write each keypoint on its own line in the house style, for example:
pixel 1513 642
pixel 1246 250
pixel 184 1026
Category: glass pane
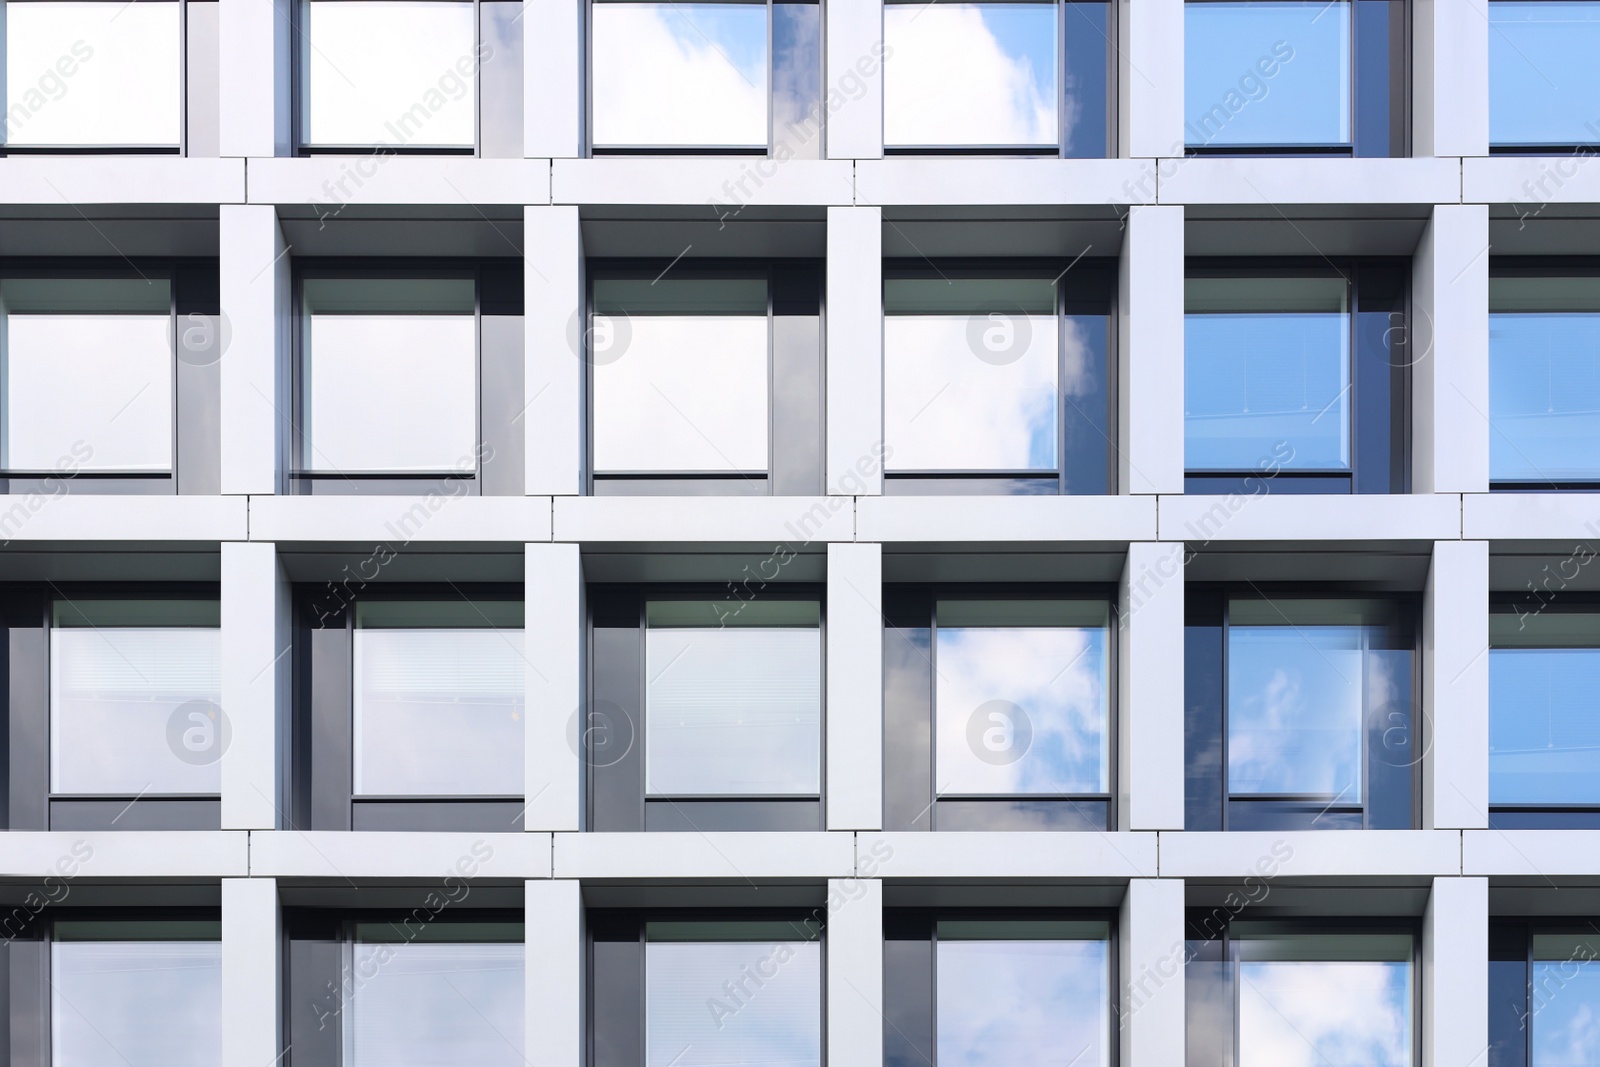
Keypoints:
pixel 389 392
pixel 1267 72
pixel 1544 728
pixel 439 712
pixel 1022 1002
pixel 1544 396
pixel 733 710
pixel 1542 75
pixel 401 73
pixel 701 1009
pixel 1295 710
pixel 668 74
pixel 1267 385
pixel 970 74
pixel 87 392
pixel 115 1003
pixel 87 74
pixel 680 393
pixel 501 98
pixel 797 80
pixel 134 710
pixel 1347 1013
pixel 436 1003
pixel 1020 709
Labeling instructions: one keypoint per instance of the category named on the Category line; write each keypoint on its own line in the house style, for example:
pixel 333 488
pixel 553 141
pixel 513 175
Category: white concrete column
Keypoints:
pixel 855 972
pixel 1450 352
pixel 1151 1006
pixel 853 90
pixel 553 59
pixel 1150 351
pixel 252 954
pixel 254 42
pixel 1150 688
pixel 254 365
pixel 1455 973
pixel 1450 79
pixel 855 687
pixel 256 685
pixel 553 643
pixel 552 420
pixel 855 351
pixel 1150 77
pixel 553 974
pixel 1454 732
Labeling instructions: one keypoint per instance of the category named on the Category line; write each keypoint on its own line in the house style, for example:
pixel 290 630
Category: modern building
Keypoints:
pixel 627 533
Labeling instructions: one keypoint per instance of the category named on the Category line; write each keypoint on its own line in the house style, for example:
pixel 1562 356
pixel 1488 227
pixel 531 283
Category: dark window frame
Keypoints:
pixel 1380 444
pixel 322 734
pixel 1066 26
pixel 1206 623
pixel 777 479
pixel 1091 294
pixel 1380 106
pixel 609 794
pixel 1514 1001
pixel 904 713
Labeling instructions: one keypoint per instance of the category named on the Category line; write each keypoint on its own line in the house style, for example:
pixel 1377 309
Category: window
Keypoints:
pixel 1301 711
pixel 740 76
pixel 94 75
pixel 1541 74
pixel 1544 375
pixel 1312 994
pixel 997 379
pixel 412 709
pixel 997 709
pixel 409 379
pixel 968 988
pixel 1002 76
pixel 1544 725
pixel 731 721
pixel 1544 991
pixel 409 987
pixel 1295 378
pixel 668 989
pixel 1296 76
pixel 424 76
pixel 706 380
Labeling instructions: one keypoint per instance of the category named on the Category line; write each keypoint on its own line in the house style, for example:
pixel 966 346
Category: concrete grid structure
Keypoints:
pixel 1445 207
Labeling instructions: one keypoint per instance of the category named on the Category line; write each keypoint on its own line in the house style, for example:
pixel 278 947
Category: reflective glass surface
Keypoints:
pixel 797 80
pixel 451 994
pixel 1544 378
pixel 93 74
pixel 670 74
pixel 1544 86
pixel 963 75
pixel 1021 697
pixel 691 1019
pixel 401 73
pixel 1325 1000
pixel 136 709
pixel 1565 1020
pixel 733 702
pixel 1266 374
pixel 1267 72
pixel 390 376
pixel 1544 725
pixel 439 699
pixel 1022 993
pixel 116 1003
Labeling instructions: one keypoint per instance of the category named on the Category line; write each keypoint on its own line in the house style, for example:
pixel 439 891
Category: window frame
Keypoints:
pixel 1059 149
pixel 606 795
pixel 904 608
pixel 1397 90
pixel 1511 942
pixel 714 483
pixel 1206 609
pixel 1367 474
pixel 1099 290
pixel 321 756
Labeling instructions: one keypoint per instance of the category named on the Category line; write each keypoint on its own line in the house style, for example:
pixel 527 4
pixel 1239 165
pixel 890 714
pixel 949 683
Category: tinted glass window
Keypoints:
pixel 1544 379
pixel 1544 730
pixel 1566 992
pixel 1542 75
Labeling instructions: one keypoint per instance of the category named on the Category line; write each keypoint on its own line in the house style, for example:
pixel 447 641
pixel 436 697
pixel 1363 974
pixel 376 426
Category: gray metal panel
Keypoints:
pixel 696 816
pixel 616 1003
pixel 616 780
pixel 132 813
pixel 796 405
pixel 465 816
pixel 203 90
pixel 29 974
pixel 328 765
pixel 500 363
pixel 754 485
pixel 199 401
pixel 28 711
pixel 314 1002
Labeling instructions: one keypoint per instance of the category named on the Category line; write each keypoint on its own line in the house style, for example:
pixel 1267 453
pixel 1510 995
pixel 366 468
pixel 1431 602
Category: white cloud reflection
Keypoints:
pixel 1016 1002
pixel 1294 710
pixel 1324 1014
